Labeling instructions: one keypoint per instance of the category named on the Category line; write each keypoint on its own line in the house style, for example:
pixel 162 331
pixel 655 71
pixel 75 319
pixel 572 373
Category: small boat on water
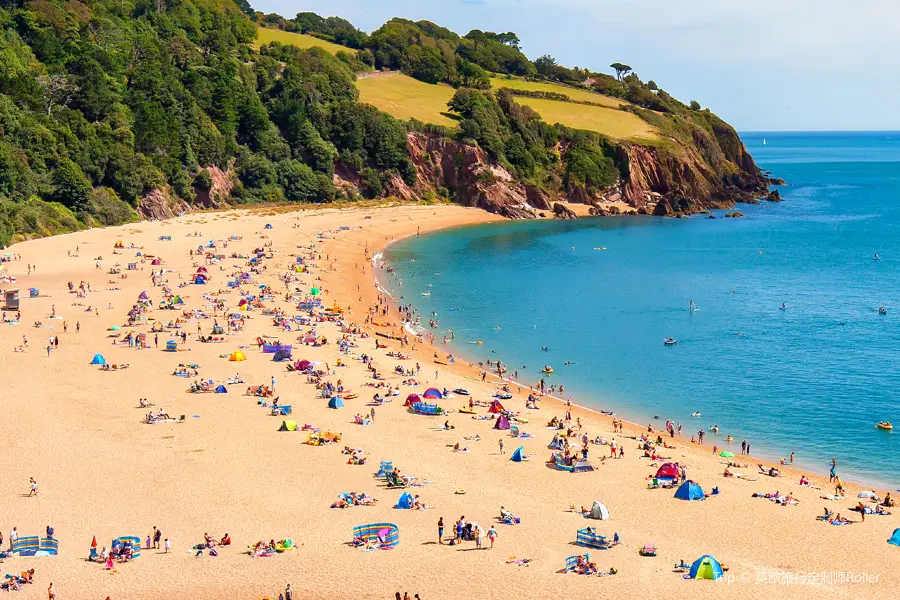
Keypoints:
pixel 670 341
pixel 695 414
pixel 426 293
pixel 547 369
pixel 884 425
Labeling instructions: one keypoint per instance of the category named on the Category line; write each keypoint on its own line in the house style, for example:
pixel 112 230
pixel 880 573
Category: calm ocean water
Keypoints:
pixel 813 379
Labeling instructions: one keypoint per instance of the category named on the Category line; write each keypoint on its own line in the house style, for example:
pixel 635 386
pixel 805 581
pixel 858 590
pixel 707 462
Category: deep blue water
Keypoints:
pixel 813 379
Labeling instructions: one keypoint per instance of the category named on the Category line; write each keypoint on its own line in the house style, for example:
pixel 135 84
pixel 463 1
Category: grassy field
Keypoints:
pixel 572 93
pixel 614 123
pixel 406 98
pixel 300 40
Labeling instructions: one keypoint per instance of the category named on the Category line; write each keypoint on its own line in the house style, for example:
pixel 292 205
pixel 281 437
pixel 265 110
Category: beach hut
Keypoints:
pixel 432 394
pixel 221 389
pixel 495 407
pixel 11 300
pixel 288 426
pixel 406 501
pixel 281 355
pixel 599 511
pixel 582 466
pixel 502 423
pixel 518 455
pixel 689 491
pixel 388 534
pixel 668 471
pixel 706 567
pixel 98 360
pixel 237 356
pixel 335 402
pixel 895 538
pixel 412 399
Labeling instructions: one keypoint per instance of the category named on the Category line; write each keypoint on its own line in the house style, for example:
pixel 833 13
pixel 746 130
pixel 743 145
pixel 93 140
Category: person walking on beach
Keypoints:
pixel 51 592
pixel 492 535
pixel 743 446
pixel 700 435
pixel 441 531
pixel 168 545
pixel 612 448
pixel 501 447
pixel 77 326
pixel 273 383
pixel 13 537
pixel 34 489
pixel 459 530
pixel 372 414
pixel 157 536
pixel 288 592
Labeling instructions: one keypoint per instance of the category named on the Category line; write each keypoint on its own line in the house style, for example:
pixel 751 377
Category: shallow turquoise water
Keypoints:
pixel 813 379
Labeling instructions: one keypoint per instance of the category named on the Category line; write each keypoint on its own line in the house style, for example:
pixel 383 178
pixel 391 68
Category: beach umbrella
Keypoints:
pixel 726 454
pixel 94 542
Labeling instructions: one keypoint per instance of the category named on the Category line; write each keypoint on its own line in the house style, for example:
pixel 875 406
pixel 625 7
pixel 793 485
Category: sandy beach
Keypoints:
pixel 79 432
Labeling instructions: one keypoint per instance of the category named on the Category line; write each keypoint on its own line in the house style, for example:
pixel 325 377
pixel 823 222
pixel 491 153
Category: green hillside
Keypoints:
pixel 114 109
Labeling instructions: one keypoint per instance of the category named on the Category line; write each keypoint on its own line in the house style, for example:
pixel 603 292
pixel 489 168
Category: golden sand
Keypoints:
pixel 102 472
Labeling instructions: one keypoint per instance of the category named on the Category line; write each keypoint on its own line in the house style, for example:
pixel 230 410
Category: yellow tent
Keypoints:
pixel 237 355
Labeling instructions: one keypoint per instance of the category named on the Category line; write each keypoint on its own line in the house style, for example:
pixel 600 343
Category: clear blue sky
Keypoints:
pixel 761 65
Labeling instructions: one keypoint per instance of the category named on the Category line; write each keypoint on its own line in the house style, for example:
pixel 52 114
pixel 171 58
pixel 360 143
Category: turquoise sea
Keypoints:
pixel 813 378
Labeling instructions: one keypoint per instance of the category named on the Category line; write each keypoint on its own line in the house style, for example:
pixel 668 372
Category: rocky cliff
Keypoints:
pixel 662 180
pixel 469 176
pixel 163 203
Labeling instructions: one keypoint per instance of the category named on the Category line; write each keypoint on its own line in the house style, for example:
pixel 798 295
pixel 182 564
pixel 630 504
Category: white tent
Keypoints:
pixel 866 495
pixel 599 511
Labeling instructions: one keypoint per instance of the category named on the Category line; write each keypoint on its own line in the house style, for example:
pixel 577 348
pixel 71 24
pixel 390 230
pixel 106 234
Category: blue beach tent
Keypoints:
pixel 689 491
pixel 518 455
pixel 706 567
pixel 895 539
pixel 406 500
pixel 335 402
pixel 221 389
pixel 98 360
